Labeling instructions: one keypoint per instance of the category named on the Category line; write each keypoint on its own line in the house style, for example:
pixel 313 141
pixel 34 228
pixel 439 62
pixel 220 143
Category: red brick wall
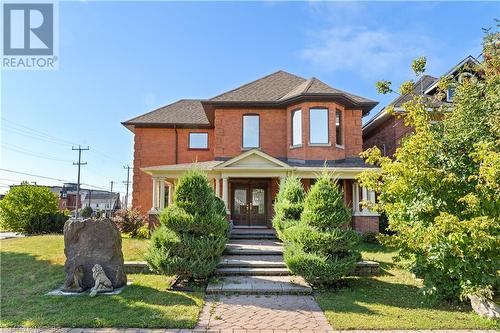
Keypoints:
pixel 351 133
pixel 365 223
pixel 229 131
pixel 156 146
pixel 389 133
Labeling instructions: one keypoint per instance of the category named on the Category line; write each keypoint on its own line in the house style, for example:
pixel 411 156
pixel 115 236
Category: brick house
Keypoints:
pixel 248 140
pixel 386 130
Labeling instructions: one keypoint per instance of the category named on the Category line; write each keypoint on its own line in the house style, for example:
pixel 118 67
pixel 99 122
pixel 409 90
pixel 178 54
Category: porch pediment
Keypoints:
pixel 253 159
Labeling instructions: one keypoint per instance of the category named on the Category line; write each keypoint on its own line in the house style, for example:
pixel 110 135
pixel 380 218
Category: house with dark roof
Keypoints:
pixel 248 140
pixel 385 130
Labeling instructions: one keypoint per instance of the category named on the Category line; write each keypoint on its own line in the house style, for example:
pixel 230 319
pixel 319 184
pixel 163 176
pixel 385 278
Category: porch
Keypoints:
pixel 248 185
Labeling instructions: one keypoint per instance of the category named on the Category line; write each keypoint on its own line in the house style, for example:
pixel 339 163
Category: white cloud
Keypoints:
pixel 373 53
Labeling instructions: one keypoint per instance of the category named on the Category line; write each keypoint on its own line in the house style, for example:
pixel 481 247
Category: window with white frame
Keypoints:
pixel 198 140
pixel 297 128
pixel 251 131
pixel 318 126
pixel 338 128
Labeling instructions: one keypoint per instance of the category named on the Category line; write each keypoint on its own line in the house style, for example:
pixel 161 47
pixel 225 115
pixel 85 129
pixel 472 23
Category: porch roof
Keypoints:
pixel 255 163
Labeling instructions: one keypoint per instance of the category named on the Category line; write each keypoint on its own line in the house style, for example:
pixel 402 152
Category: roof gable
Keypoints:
pixel 254 159
pixel 268 88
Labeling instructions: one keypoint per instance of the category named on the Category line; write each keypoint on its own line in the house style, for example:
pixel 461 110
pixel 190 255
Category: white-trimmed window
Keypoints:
pixel 251 131
pixel 297 128
pixel 318 126
pixel 449 93
pixel 339 135
pixel 198 140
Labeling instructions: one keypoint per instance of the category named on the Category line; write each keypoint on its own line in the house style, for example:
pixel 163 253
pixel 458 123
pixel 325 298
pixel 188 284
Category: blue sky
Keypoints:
pixel 119 60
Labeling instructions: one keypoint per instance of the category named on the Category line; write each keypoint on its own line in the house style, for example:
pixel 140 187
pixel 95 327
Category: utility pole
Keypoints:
pixel 79 163
pixel 127 184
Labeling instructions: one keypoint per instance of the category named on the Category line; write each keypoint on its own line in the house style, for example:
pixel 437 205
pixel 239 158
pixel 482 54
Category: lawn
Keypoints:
pixel 32 266
pixel 391 300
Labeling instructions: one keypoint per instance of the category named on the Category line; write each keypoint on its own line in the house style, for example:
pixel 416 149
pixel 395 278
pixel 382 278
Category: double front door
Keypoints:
pixel 249 208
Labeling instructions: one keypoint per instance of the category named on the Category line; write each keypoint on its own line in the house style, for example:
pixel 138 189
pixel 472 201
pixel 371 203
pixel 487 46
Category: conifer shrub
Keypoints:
pixel 321 247
pixel 192 232
pixel 289 205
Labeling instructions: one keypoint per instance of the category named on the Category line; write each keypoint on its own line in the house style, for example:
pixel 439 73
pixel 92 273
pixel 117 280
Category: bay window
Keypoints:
pixel 318 126
pixel 297 128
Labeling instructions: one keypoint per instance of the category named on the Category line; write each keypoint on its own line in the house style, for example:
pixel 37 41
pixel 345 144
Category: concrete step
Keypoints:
pixel 252 271
pixel 252 236
pixel 253 247
pixel 253 233
pixel 255 261
pixel 258 285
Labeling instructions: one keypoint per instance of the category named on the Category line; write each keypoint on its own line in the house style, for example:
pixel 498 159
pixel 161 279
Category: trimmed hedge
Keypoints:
pixel 288 205
pixel 193 231
pixel 46 224
pixel 321 247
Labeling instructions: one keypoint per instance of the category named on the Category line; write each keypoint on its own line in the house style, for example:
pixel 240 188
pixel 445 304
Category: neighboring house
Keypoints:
pixel 105 201
pixel 386 130
pixel 248 140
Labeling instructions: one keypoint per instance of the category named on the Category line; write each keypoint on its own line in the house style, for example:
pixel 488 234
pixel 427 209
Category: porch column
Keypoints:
pixel 162 193
pixel 225 194
pixel 170 193
pixel 155 194
pixel 364 197
pixel 355 197
pixel 217 187
pixel 282 181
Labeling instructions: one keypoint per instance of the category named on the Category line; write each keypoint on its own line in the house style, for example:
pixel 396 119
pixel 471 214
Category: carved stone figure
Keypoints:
pixel 74 280
pixel 90 242
pixel 102 283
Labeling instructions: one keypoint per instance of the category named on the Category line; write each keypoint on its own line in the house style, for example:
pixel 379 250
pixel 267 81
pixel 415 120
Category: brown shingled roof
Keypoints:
pixel 267 89
pixel 276 89
pixel 185 112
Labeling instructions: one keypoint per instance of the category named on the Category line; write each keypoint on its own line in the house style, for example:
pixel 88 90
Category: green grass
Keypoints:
pixel 391 300
pixel 32 266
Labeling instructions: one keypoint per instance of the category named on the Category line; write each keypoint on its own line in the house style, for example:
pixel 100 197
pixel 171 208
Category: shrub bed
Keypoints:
pixel 192 232
pixel 321 247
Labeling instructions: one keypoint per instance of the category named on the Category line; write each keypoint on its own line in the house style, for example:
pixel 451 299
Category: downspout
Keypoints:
pixel 176 140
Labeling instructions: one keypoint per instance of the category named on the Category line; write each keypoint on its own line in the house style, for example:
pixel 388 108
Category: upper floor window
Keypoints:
pixel 449 93
pixel 198 140
pixel 338 127
pixel 318 126
pixel 297 128
pixel 251 131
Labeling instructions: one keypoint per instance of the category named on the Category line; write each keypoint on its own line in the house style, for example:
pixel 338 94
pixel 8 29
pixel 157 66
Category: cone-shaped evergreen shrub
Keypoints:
pixel 288 205
pixel 321 247
pixel 192 233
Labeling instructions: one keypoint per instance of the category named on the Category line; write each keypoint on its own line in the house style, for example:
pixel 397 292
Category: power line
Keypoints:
pixel 39 135
pixel 51 178
pixel 24 151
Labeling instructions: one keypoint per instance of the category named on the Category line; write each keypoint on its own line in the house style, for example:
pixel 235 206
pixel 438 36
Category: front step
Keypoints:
pixel 252 236
pixel 253 247
pixel 258 285
pixel 252 271
pixel 260 261
pixel 253 233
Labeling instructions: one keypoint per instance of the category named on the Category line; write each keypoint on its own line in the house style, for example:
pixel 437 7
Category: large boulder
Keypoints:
pixel 90 242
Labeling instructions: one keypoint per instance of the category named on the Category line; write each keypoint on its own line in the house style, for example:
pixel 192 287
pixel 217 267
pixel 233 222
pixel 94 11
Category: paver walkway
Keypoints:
pixel 156 330
pixel 254 312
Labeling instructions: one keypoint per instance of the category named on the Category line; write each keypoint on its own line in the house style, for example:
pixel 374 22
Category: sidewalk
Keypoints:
pixel 143 330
